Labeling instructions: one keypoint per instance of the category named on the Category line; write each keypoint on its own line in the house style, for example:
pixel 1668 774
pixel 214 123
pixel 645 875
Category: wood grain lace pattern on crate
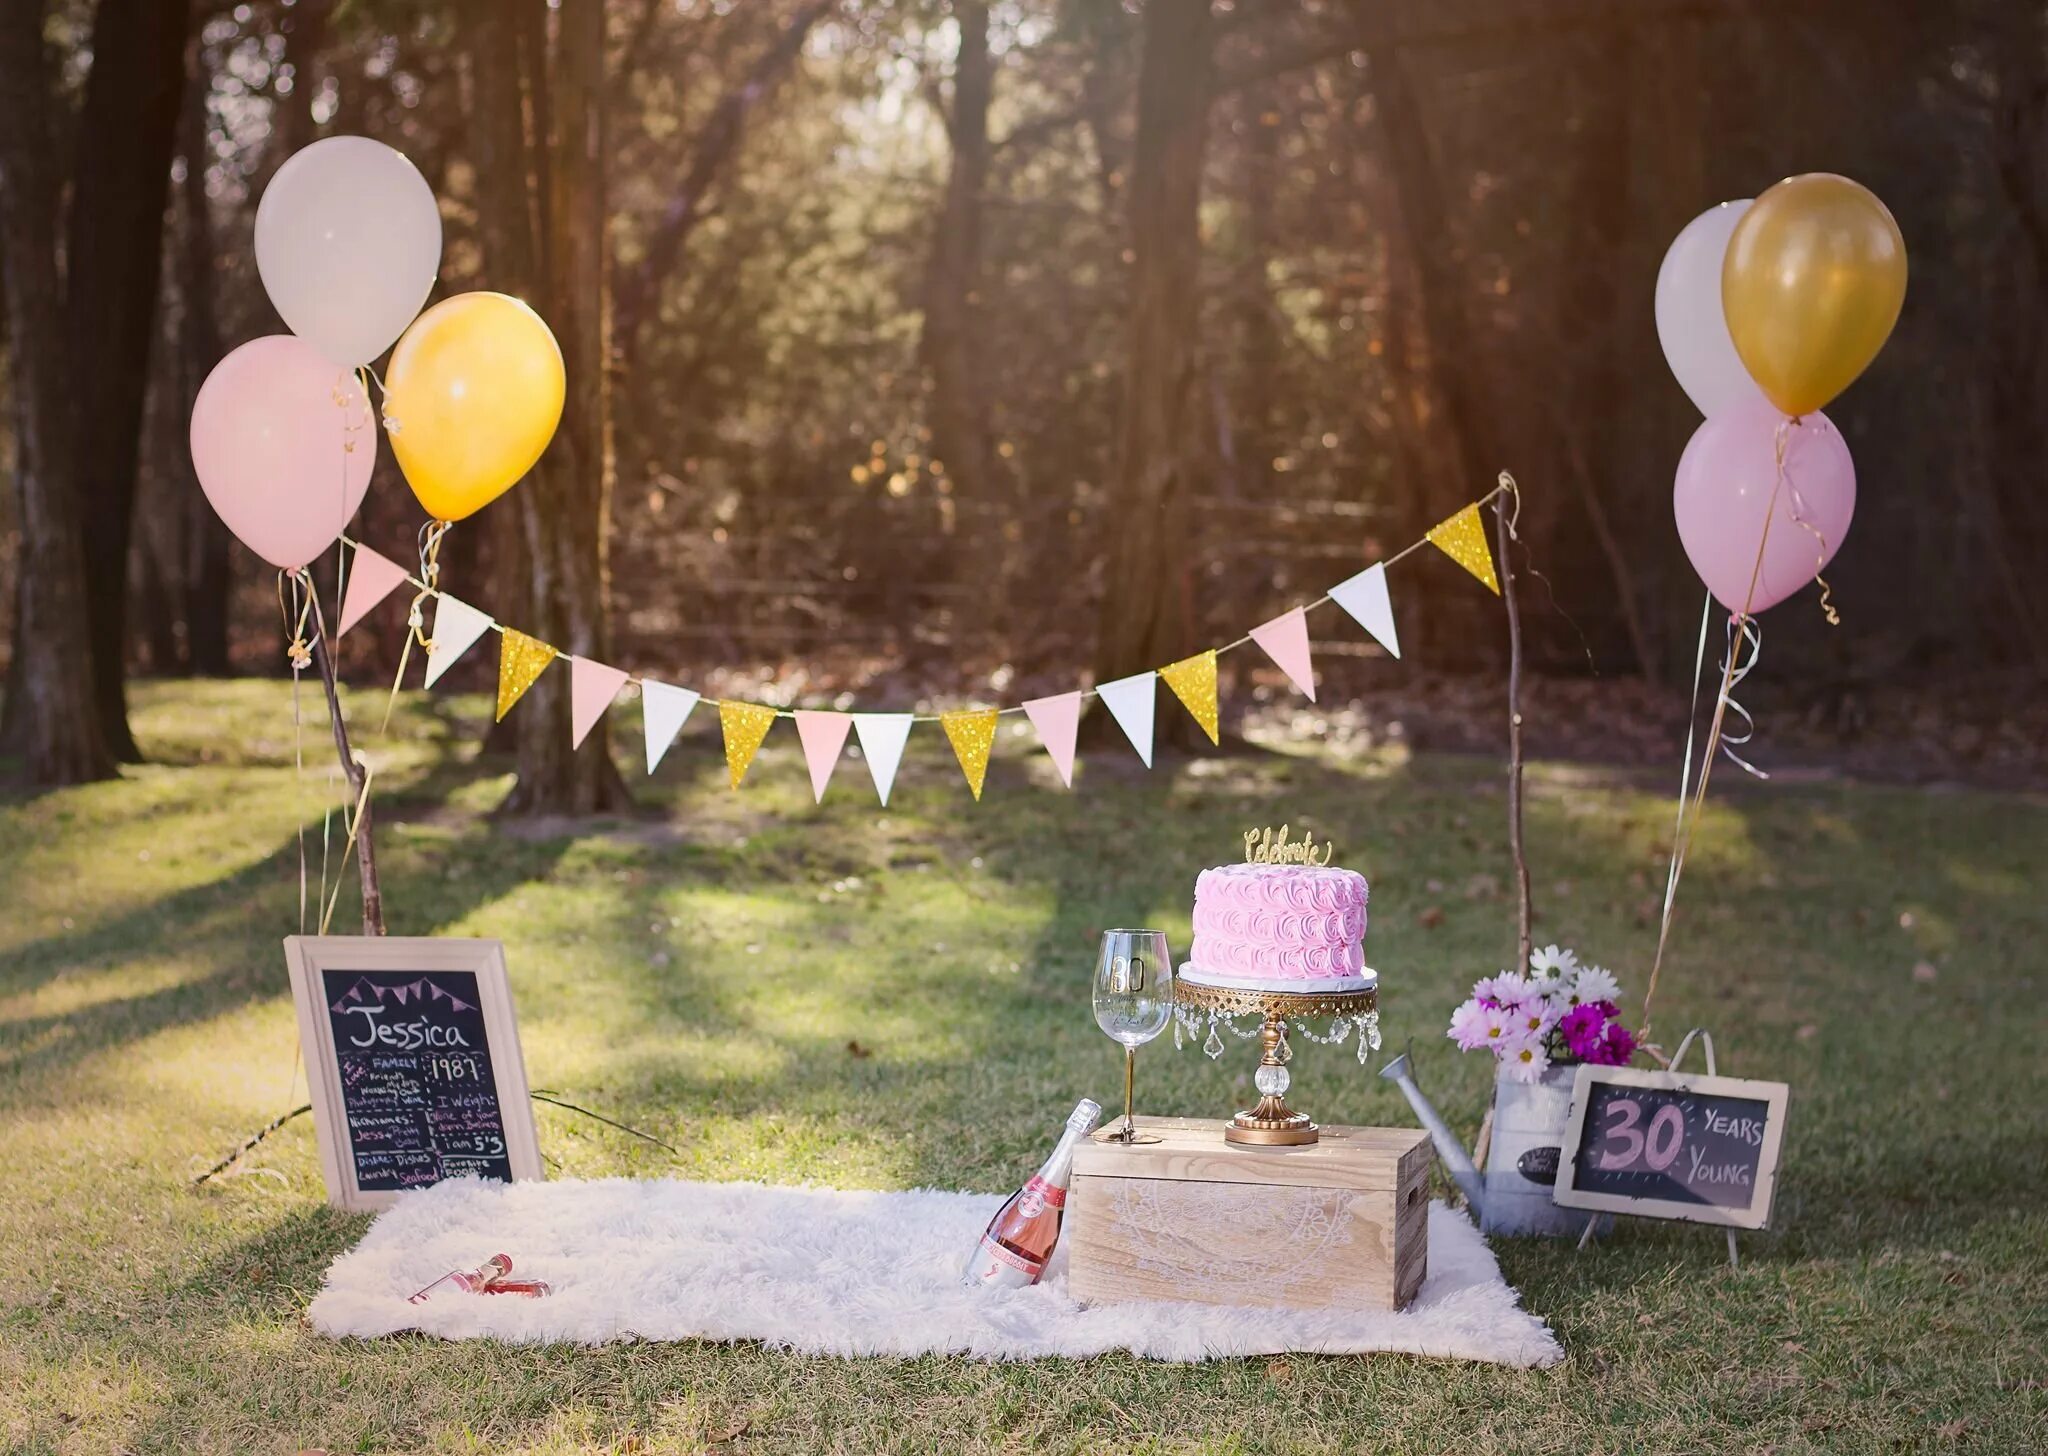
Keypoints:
pixel 1339 1223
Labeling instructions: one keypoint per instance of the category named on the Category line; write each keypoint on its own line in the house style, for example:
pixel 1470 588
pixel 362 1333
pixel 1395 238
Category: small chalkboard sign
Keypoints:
pixel 412 1052
pixel 1672 1145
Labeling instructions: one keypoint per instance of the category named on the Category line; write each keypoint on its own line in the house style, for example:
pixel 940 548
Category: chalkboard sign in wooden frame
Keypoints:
pixel 412 1053
pixel 1651 1179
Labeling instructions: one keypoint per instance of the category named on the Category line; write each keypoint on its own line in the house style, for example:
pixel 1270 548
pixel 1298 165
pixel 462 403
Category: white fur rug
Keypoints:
pixel 824 1271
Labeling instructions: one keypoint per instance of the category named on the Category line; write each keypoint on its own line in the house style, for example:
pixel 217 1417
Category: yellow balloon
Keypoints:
pixel 471 399
pixel 1812 283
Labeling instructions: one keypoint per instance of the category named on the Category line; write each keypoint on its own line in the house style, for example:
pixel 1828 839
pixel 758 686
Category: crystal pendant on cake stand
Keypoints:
pixel 1273 1123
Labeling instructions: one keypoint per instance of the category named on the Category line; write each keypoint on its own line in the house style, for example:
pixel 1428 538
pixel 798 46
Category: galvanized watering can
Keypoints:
pixel 1513 1195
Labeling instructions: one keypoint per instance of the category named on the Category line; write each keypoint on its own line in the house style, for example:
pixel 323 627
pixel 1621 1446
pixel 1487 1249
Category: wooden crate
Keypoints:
pixel 1341 1223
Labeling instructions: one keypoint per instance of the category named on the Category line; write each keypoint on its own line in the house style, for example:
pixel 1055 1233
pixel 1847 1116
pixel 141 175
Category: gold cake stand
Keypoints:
pixel 1273 1123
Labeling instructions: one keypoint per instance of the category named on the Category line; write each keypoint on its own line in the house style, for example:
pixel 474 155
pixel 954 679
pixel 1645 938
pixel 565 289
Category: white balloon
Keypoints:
pixel 1690 324
pixel 348 240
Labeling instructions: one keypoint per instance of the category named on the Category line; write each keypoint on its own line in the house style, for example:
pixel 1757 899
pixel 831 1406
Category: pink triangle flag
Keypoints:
pixel 823 735
pixel 371 578
pixel 1285 640
pixel 592 686
pixel 1056 719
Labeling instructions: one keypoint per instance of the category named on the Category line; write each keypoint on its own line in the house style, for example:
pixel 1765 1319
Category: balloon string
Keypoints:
pixel 351 818
pixel 300 658
pixel 1749 631
pixel 1689 814
pixel 431 536
pixel 1820 540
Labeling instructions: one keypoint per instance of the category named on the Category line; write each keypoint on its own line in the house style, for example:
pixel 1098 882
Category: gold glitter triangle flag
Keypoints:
pixel 1193 680
pixel 973 735
pixel 1463 539
pixel 745 725
pixel 521 661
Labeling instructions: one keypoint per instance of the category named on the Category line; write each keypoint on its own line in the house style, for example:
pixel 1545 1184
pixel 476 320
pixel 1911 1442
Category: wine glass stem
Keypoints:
pixel 1130 1077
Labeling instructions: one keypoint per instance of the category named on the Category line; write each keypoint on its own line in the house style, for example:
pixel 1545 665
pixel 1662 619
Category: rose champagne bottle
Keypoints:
pixel 1019 1239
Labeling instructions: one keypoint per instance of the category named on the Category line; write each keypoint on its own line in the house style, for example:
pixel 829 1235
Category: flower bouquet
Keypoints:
pixel 1558 1015
pixel 1540 1028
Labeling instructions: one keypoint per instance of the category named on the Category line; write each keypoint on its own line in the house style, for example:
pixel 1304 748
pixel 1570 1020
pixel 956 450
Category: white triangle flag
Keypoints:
pixel 1364 596
pixel 457 625
pixel 662 711
pixel 882 736
pixel 1130 701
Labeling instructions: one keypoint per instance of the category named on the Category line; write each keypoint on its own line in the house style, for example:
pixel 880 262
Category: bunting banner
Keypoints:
pixel 744 726
pixel 1463 539
pixel 457 625
pixel 1132 700
pixel 882 736
pixel 371 578
pixel 1058 721
pixel 1285 640
pixel 973 736
pixel 521 661
pixel 663 711
pixel 592 686
pixel 1365 597
pixel 1193 680
pixel 823 736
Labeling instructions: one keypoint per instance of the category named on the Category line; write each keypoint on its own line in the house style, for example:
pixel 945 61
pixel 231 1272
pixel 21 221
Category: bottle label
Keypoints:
pixel 1040 1195
pixel 1010 1258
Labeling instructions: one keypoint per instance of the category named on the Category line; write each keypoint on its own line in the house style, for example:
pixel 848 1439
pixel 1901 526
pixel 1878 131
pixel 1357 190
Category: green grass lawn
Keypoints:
pixel 887 999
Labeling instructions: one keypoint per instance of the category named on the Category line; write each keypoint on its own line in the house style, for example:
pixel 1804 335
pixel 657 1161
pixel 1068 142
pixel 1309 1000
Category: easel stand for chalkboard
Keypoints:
pixel 1707 1040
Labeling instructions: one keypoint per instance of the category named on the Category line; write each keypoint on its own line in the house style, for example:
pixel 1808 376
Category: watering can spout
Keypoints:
pixel 1448 1148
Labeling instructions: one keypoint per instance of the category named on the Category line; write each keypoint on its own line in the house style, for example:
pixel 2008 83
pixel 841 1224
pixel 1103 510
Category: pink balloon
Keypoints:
pixel 1725 482
pixel 283 443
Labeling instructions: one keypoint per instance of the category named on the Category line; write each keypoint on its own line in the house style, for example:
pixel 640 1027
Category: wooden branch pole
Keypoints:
pixel 352 768
pixel 1525 913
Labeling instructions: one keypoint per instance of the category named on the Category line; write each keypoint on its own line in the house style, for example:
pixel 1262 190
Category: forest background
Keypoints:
pixel 937 353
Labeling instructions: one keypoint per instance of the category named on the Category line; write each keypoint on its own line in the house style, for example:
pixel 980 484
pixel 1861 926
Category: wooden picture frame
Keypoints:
pixel 1756 1215
pixel 312 958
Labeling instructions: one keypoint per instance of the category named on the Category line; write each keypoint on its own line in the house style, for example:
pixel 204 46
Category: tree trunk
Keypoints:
pixel 951 345
pixel 1145 609
pixel 52 688
pixel 113 258
pixel 207 578
pixel 565 505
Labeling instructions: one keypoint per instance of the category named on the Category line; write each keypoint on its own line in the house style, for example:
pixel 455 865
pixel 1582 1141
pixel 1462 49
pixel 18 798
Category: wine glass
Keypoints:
pixel 1133 1003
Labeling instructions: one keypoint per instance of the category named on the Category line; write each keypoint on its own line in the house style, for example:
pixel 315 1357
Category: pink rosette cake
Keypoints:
pixel 1279 927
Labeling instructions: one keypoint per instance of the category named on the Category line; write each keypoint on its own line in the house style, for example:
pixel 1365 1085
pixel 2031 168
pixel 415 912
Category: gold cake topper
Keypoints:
pixel 1272 846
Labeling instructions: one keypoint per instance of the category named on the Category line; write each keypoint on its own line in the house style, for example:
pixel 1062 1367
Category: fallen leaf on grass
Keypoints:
pixel 1431 918
pixel 1923 971
pixel 858 1052
pixel 1807 1032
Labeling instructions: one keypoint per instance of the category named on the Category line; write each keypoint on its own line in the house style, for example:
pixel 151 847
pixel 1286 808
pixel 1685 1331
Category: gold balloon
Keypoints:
pixel 471 400
pixel 1811 286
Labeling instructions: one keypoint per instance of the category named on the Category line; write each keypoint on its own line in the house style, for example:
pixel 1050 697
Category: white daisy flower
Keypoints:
pixel 1506 988
pixel 1533 1017
pixel 1551 964
pixel 1593 983
pixel 1525 1060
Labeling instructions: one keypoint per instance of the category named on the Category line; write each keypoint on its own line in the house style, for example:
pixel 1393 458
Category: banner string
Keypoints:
pixel 426 585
